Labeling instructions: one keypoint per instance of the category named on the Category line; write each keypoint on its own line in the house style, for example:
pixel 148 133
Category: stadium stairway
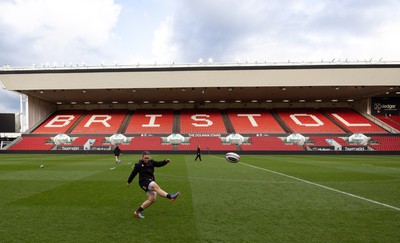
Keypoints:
pixel 76 123
pixel 281 122
pixel 376 121
pixel 323 112
pixel 391 122
pixel 227 121
pixel 177 122
pixel 125 123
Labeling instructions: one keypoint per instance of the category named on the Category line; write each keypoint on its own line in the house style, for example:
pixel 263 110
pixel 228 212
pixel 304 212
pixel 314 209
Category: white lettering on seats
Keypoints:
pixel 61 120
pixel 251 118
pixel 198 118
pixel 152 121
pixel 104 119
pixel 350 124
pixel 298 122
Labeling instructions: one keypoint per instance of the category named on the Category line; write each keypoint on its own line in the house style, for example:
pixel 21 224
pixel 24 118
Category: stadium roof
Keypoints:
pixel 204 83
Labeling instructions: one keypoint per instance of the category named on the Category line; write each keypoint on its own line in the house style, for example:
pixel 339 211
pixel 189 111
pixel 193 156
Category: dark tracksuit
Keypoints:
pixel 117 151
pixel 146 172
pixel 198 154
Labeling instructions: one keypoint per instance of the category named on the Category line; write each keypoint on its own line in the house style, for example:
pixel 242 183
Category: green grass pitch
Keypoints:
pixel 280 198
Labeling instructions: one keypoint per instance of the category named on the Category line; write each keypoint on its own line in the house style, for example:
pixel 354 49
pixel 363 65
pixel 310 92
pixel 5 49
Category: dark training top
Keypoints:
pixel 198 151
pixel 117 151
pixel 145 170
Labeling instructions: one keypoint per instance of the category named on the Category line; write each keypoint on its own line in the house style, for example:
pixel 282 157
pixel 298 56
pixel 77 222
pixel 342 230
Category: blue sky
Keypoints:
pixel 63 32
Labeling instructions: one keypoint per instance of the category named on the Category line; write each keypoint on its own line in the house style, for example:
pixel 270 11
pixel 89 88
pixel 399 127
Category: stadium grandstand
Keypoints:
pixel 250 108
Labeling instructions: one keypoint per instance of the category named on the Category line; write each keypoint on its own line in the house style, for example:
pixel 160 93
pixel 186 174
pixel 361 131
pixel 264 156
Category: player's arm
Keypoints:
pixel 133 174
pixel 161 163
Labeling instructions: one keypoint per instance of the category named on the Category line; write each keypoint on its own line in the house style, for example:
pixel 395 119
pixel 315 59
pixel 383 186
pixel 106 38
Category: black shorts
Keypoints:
pixel 144 184
pixel 116 154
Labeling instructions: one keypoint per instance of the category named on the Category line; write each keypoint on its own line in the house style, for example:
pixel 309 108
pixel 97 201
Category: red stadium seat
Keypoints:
pixel 267 143
pixel 393 121
pixel 100 122
pixel 206 143
pixel 208 121
pixel 319 141
pixel 254 121
pixel 205 127
pixel 354 122
pixel 146 143
pixel 59 122
pixel 80 141
pixel 386 143
pixel 33 143
pixel 308 121
pixel 151 122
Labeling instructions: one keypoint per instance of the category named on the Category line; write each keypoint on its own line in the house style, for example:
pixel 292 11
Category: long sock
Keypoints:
pixel 169 196
pixel 140 209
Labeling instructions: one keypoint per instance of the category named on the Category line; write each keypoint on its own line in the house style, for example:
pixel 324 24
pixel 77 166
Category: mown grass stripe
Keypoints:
pixel 325 187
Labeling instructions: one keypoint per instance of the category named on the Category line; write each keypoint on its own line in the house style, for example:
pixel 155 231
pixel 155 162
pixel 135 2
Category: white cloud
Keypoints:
pixel 383 44
pixel 164 49
pixel 302 30
pixel 57 30
pixel 53 31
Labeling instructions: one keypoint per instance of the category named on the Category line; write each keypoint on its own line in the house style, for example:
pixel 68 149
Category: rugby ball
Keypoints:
pixel 232 157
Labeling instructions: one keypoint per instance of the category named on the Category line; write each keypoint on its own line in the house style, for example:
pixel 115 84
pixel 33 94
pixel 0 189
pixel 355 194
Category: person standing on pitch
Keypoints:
pixel 117 153
pixel 145 169
pixel 198 156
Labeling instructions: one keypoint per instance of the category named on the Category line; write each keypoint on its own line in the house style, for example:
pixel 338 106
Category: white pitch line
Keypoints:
pixel 325 187
pixel 383 167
